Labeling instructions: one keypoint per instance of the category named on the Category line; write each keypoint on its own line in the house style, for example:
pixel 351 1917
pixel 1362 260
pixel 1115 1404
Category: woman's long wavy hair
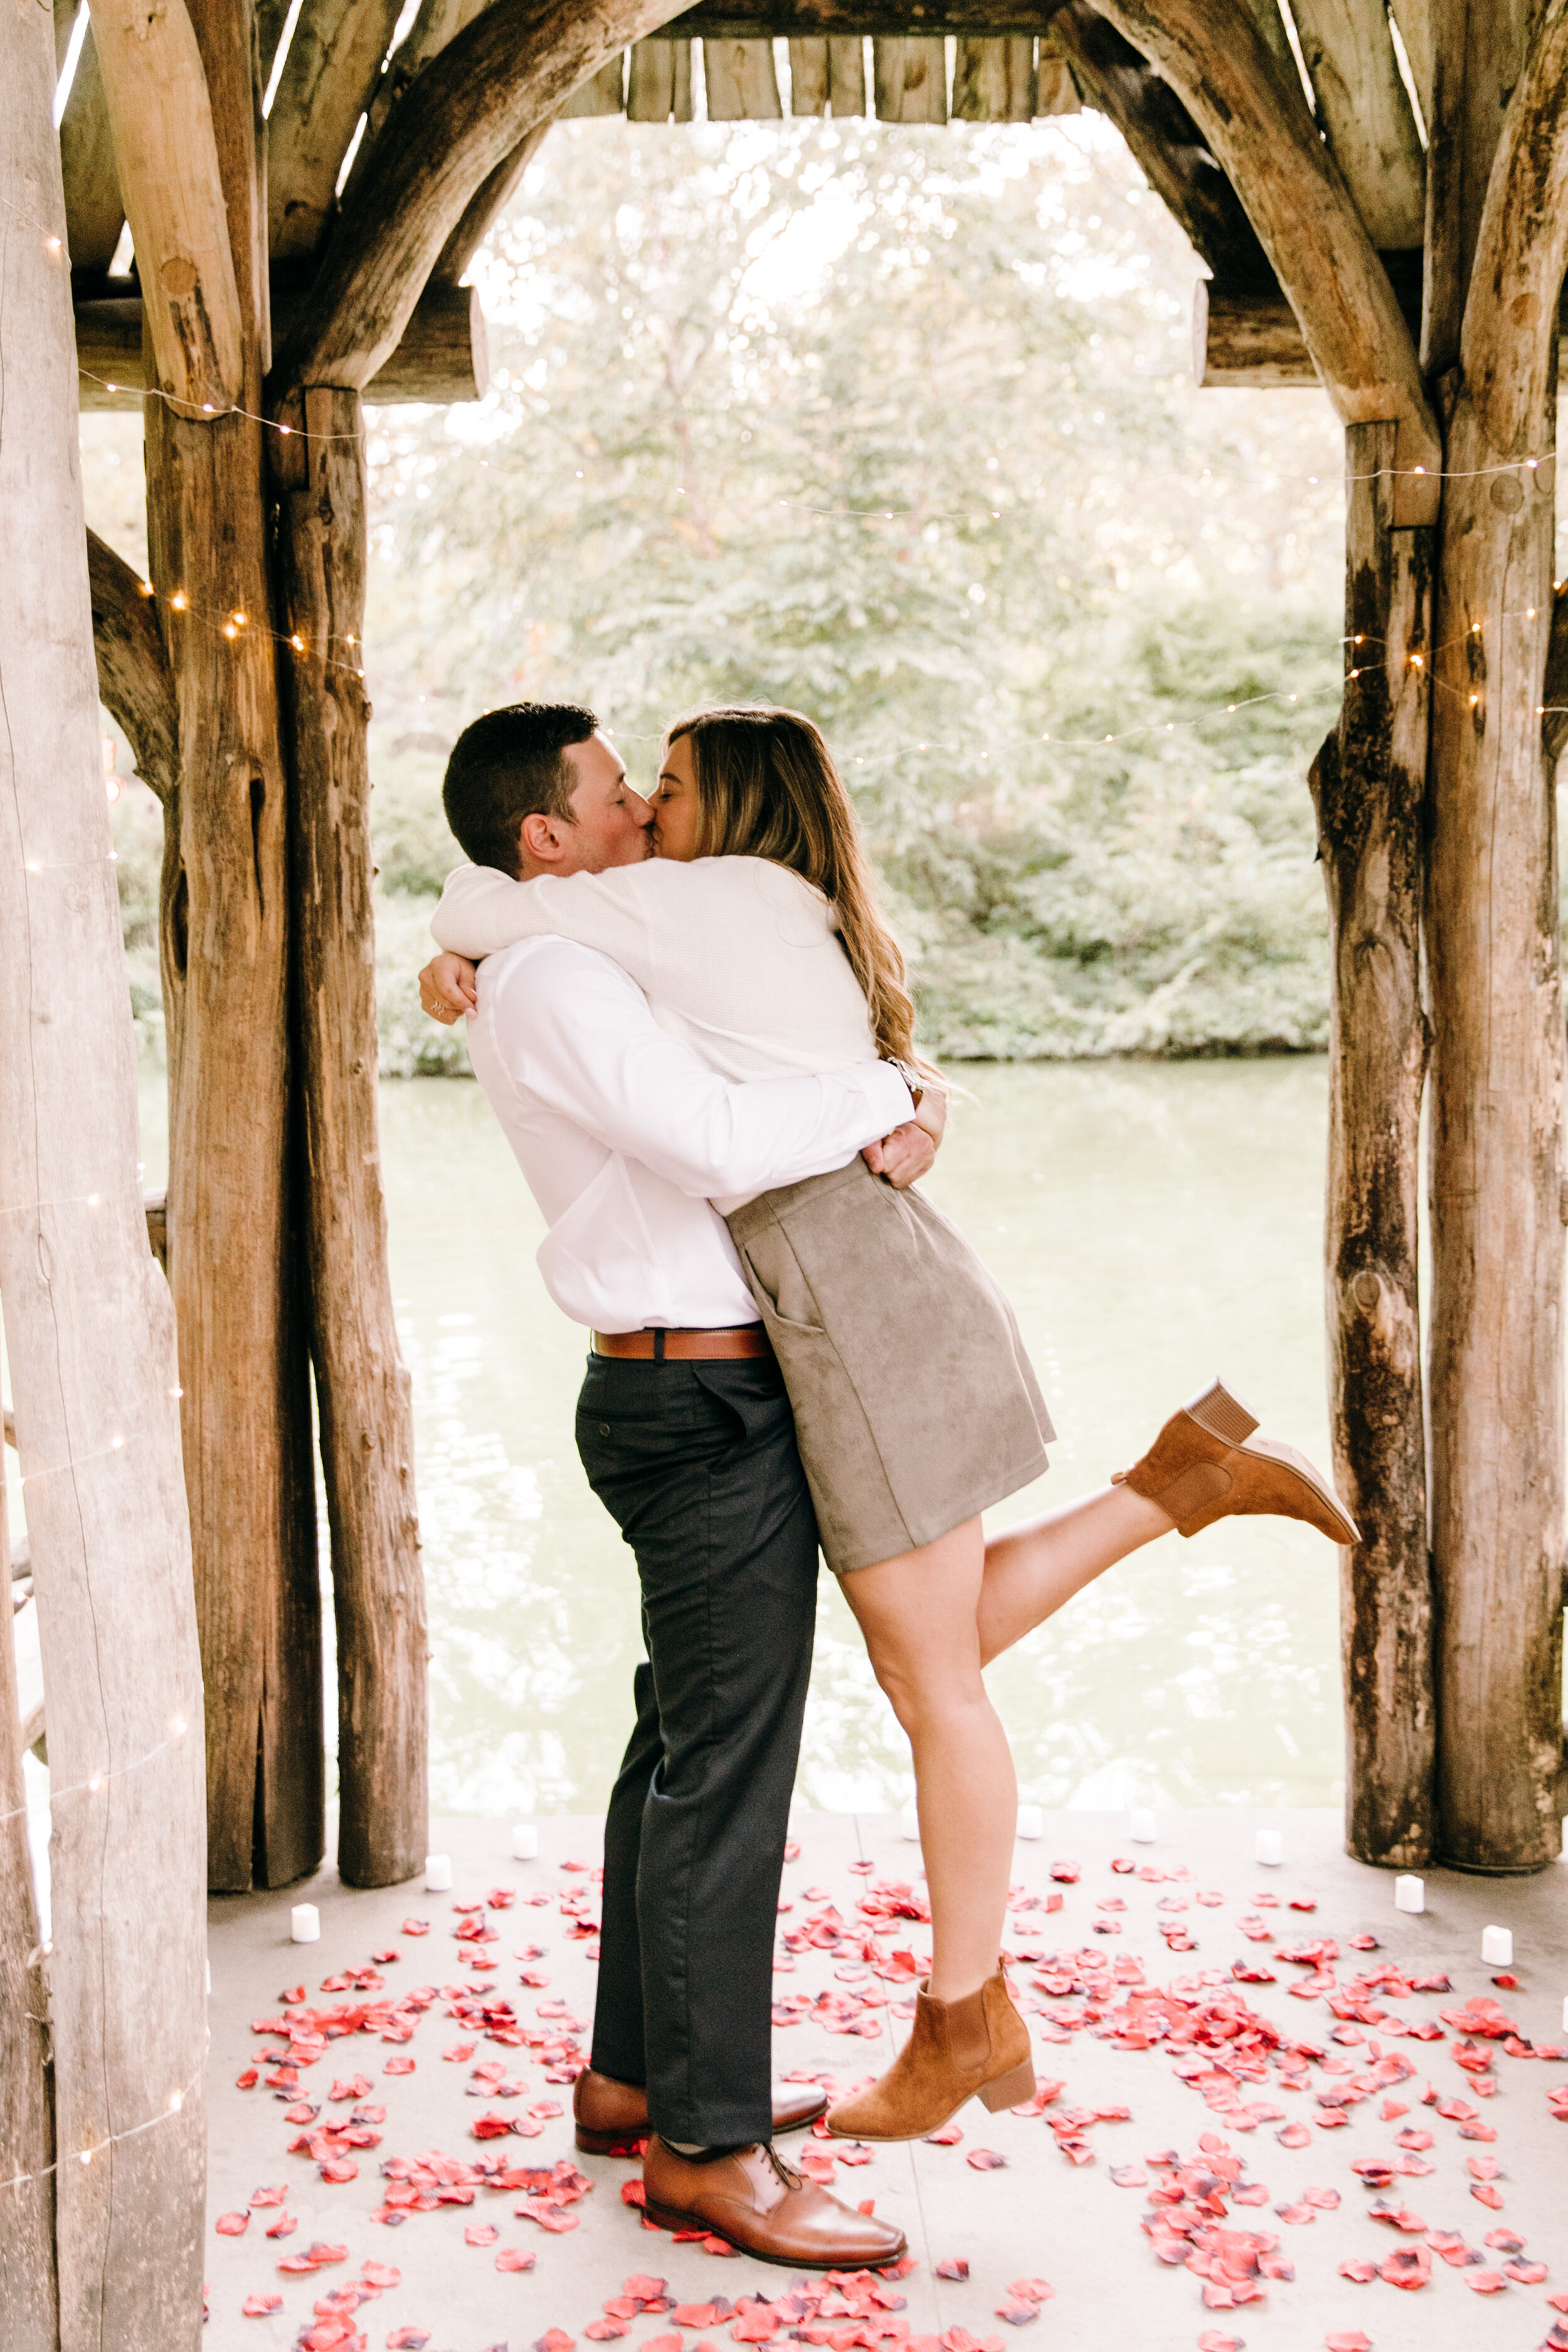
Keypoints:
pixel 767 787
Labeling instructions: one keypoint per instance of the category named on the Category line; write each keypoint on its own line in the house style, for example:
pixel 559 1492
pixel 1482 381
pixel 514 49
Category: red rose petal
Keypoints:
pixel 398 2066
pixel 1359 2269
pixel 986 2159
pixel 1348 2339
pixel 408 2339
pixel 1486 2282
pixel 261 2307
pixel 954 2267
pixel 232 2225
pixel 480 2233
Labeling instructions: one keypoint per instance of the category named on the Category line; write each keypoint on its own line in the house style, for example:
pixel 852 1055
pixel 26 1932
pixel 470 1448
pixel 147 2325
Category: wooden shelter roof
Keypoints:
pixel 339 76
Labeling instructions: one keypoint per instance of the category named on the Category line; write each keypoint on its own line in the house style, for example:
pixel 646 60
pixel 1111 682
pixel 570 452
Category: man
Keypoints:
pixel 686 1434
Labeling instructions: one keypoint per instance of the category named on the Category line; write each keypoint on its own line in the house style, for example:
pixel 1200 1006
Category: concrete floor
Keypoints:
pixel 1038 2216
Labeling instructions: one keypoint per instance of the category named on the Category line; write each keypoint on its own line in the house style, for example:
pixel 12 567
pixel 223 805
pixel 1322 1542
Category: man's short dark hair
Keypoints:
pixel 509 765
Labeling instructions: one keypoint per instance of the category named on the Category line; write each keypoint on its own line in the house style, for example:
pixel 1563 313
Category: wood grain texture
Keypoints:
pixel 1365 113
pixel 328 79
pixel 442 357
pixel 1170 149
pixel 1497 1165
pixel 739 80
pixel 234 1268
pixel 1554 691
pixel 511 68
pixel 1256 123
pixel 166 155
pixel 1368 789
pixel 658 82
pixel 1056 91
pixel 603 92
pixel 741 20
pixel 910 79
pixel 1479 52
pixel 435 23
pixel 28 2289
pixel 1414 18
pixel 361 1387
pixel 95 213
pixel 134 680
pixel 993 81
pixel 90 1341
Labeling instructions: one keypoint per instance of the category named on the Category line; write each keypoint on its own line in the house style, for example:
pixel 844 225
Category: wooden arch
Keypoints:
pixel 1376 198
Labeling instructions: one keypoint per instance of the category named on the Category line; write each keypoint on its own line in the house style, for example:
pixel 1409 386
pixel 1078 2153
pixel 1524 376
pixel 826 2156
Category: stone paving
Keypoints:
pixel 1235 2108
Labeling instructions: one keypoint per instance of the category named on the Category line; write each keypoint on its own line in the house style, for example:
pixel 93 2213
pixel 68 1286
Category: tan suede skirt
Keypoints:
pixel 915 1403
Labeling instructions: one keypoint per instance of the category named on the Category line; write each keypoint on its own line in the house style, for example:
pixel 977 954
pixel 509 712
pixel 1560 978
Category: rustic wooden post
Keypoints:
pixel 361 1387
pixel 28 2286
pixel 231 1264
pixel 89 1333
pixel 1497 1172
pixel 1368 786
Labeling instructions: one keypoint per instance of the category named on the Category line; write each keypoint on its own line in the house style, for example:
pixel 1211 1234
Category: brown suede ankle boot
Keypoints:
pixel 958 2048
pixel 1202 1467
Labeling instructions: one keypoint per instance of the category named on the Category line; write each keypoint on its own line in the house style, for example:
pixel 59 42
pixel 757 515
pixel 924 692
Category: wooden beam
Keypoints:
pixel 1170 149
pixel 1479 52
pixel 658 82
pixel 993 80
pixel 513 67
pixel 1369 788
pixel 134 680
pixel 1246 338
pixel 443 356
pixel 759 20
pixel 361 1387
pixel 740 83
pixel 166 154
pixel 1257 125
pixel 1497 1199
pixel 1055 86
pixel 328 78
pixel 1365 114
pixel 89 1336
pixel 95 213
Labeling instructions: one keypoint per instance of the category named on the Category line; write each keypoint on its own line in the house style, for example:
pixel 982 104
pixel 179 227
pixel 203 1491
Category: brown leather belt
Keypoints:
pixel 684 1347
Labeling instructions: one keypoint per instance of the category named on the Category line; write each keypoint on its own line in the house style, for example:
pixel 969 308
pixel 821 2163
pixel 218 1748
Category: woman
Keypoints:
pixel 755 933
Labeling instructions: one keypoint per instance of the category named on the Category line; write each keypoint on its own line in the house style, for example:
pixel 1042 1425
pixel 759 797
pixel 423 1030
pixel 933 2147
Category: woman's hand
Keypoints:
pixel 447 989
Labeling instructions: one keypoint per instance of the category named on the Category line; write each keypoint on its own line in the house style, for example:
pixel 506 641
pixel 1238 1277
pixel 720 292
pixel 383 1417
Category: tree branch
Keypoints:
pixel 512 68
pixel 134 680
pixel 1256 121
pixel 1506 343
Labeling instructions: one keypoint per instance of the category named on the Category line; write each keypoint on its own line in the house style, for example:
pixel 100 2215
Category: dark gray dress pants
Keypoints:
pixel 696 1464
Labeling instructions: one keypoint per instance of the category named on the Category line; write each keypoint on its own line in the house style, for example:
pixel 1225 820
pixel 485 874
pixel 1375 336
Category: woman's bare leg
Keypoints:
pixel 918 1615
pixel 1032 1568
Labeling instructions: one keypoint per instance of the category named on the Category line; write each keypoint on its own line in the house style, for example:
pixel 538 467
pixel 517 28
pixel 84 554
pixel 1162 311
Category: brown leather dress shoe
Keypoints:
pixel 974 2048
pixel 762 2207
pixel 1205 1465
pixel 611 2117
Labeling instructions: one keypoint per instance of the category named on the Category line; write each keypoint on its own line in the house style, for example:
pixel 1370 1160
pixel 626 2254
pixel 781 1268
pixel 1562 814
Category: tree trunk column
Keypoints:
pixel 1368 785
pixel 362 1386
pixel 231 1265
pixel 1496 1175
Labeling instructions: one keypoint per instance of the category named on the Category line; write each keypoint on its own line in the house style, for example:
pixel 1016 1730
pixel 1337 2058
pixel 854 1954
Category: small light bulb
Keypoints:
pixel 229 630
pixel 176 2101
pixel 238 620
pixel 53 244
pixel 96 1783
pixel 1533 463
pixel 1415 661
pixel 111 387
pixel 1474 699
pixel 1420 470
pixel 177 1392
pixel 92 1199
pixel 298 643
pixel 116 1441
pixel 206 408
pixel 85 2156
pixel 178 600
pixel 148 589
pixel 285 430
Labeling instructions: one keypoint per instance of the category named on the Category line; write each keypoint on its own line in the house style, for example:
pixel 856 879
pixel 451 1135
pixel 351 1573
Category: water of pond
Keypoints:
pixel 1152 1224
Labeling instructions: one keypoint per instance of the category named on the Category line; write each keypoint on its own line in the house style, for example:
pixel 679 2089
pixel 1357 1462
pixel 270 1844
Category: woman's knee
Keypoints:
pixel 923 1696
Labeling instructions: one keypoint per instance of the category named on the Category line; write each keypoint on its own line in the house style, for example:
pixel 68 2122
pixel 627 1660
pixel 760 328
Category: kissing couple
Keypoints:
pixel 694 1027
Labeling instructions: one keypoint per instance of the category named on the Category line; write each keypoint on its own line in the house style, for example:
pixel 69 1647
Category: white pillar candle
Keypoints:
pixel 1141 1829
pixel 1410 1893
pixel 1268 1848
pixel 305 1924
pixel 1031 1821
pixel 525 1842
pixel 1497 1947
pixel 437 1872
pixel 909 1824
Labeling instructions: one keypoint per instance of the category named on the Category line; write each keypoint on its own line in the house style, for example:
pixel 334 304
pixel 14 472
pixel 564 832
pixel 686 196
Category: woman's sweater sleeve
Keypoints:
pixel 482 911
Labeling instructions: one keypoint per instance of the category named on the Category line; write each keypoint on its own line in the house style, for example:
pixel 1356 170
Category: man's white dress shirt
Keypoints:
pixel 626 1137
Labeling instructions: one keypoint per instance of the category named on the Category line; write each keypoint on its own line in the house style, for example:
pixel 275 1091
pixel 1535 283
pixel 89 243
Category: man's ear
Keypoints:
pixel 538 838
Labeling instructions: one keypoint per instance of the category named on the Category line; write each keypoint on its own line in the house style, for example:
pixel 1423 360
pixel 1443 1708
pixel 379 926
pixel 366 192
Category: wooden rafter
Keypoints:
pixel 1257 126
pixel 95 213
pixel 1365 114
pixel 134 680
pixel 332 69
pixel 1508 345
pixel 743 20
pixel 166 150
pixel 511 68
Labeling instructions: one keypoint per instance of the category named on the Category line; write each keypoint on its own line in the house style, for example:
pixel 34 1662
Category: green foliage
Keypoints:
pixel 895 427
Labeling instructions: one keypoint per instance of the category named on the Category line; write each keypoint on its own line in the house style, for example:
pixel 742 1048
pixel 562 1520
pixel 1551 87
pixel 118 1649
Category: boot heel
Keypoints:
pixel 1009 2090
pixel 1222 1415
